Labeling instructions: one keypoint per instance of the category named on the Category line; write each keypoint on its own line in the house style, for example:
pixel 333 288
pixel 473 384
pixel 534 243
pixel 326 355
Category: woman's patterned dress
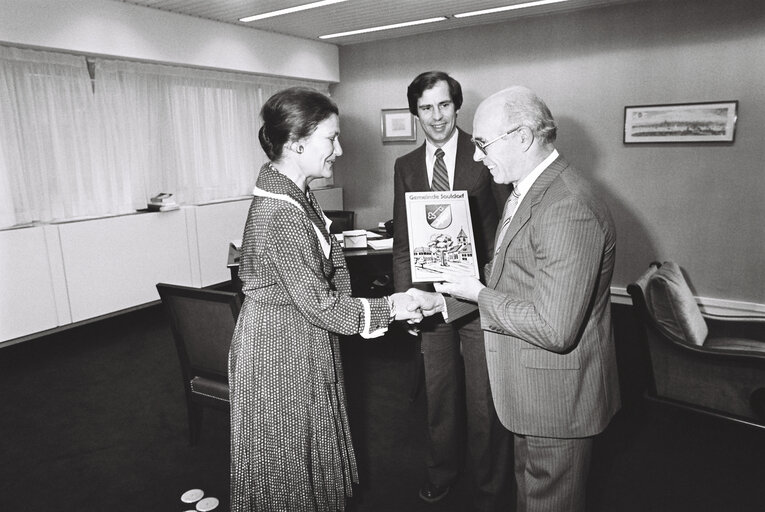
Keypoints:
pixel 290 442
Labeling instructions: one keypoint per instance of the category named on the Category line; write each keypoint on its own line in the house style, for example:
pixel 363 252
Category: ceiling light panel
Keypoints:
pixel 384 27
pixel 511 7
pixel 290 10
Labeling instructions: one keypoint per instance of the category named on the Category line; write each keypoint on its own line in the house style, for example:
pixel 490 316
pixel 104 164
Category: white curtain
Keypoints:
pixel 190 132
pixel 50 142
pixel 71 148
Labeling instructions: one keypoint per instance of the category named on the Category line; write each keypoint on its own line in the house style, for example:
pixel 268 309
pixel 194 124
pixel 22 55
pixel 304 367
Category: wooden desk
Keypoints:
pixel 371 270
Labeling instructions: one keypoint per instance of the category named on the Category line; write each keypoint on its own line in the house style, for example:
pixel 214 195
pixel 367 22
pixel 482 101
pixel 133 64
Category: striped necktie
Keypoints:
pixel 510 206
pixel 440 176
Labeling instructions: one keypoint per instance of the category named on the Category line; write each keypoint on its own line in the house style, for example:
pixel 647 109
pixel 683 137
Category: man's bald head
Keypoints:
pixel 518 105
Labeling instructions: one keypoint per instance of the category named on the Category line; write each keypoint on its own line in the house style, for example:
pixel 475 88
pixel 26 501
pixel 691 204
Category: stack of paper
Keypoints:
pixel 384 243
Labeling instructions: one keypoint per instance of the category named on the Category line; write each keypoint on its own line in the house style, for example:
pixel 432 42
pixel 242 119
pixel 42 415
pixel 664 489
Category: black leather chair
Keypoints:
pixel 707 363
pixel 342 220
pixel 202 322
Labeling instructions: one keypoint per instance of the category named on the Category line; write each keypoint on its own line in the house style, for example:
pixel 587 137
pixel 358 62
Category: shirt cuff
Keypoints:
pixel 444 312
pixel 368 320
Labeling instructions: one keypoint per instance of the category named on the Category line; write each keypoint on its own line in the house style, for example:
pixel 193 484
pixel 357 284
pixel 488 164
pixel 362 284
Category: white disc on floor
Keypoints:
pixel 207 504
pixel 192 495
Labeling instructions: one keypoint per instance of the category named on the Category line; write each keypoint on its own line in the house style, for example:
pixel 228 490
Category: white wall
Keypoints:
pixel 124 30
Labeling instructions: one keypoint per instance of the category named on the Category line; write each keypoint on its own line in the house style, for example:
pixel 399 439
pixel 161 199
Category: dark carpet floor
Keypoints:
pixel 93 419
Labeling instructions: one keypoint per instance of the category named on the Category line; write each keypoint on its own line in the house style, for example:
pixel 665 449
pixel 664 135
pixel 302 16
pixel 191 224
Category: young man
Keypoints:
pixel 456 377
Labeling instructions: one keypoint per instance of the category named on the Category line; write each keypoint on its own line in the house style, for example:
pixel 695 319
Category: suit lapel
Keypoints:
pixel 523 214
pixel 419 172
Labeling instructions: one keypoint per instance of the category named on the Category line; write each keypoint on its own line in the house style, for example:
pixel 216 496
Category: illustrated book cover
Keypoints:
pixel 440 235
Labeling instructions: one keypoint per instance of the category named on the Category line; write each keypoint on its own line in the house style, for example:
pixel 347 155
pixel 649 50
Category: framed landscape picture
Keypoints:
pixel 398 125
pixel 681 122
pixel 440 235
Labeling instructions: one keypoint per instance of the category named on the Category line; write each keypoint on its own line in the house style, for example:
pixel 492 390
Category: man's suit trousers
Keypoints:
pixel 459 402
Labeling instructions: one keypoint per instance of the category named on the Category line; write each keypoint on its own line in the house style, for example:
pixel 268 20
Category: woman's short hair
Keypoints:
pixel 427 80
pixel 292 114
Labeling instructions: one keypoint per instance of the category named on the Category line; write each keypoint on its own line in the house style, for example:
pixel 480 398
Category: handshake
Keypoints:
pixel 415 304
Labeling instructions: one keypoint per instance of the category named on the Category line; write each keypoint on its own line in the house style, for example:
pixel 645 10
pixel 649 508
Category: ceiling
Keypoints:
pixel 357 14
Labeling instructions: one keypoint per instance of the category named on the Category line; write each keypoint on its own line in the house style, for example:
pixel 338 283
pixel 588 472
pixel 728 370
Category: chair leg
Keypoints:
pixel 195 423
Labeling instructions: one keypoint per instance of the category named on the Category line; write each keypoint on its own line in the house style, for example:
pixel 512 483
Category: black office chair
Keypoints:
pixel 707 363
pixel 202 322
pixel 342 220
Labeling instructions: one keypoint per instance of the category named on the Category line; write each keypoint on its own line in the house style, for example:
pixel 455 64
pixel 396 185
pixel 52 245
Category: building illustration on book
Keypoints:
pixel 440 235
pixel 442 250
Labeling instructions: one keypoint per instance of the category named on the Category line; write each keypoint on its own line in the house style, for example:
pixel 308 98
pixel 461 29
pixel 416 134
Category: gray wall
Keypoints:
pixel 701 205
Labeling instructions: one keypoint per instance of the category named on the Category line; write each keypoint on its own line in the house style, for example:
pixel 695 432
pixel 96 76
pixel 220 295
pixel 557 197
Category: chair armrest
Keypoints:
pixel 736 346
pixel 745 327
pixel 755 319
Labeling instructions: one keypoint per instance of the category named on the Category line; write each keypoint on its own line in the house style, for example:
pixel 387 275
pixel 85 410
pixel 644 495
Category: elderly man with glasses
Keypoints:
pixel 545 308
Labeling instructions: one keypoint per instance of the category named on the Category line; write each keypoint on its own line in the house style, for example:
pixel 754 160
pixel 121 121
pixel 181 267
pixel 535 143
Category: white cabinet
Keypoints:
pixel 216 225
pixel 113 263
pixel 27 297
pixel 58 274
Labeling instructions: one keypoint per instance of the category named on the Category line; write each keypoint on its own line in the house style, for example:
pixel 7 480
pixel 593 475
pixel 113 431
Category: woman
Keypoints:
pixel 290 443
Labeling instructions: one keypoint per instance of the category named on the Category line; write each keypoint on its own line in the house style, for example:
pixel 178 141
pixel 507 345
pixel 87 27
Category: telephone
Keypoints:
pixel 389 227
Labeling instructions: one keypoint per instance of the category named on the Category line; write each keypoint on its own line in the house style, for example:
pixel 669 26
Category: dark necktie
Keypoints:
pixel 440 176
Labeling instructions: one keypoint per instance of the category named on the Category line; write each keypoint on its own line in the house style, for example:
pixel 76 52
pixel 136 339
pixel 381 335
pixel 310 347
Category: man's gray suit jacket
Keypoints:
pixel 546 311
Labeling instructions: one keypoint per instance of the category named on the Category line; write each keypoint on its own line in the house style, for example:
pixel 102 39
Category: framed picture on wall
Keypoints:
pixel 398 125
pixel 681 122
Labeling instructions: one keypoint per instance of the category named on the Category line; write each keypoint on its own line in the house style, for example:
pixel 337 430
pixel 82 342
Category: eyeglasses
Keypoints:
pixel 483 145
